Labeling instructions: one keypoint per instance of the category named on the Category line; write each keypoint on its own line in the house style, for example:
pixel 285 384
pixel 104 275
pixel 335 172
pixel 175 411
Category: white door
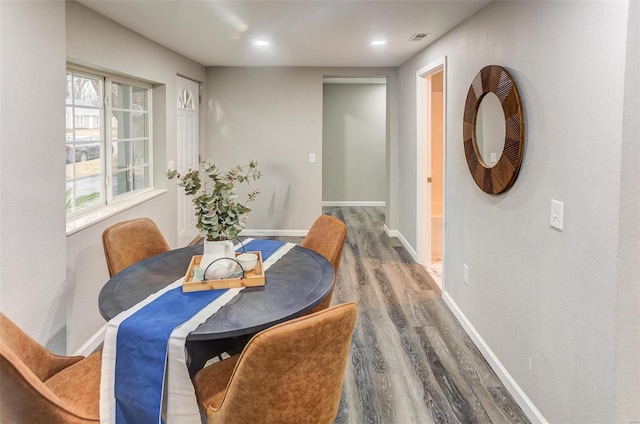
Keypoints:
pixel 187 153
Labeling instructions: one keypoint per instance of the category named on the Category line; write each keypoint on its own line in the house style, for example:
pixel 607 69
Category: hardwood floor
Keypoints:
pixel 411 361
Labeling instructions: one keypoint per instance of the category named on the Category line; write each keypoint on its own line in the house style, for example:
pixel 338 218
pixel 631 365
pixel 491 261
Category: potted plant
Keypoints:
pixel 219 215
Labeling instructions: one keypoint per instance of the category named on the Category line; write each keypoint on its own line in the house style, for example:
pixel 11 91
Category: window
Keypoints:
pixel 112 162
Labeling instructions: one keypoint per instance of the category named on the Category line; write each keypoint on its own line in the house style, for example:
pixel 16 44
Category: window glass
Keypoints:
pixel 120 95
pixel 185 100
pixel 139 125
pixel 139 98
pixel 84 142
pixel 117 156
pixel 130 131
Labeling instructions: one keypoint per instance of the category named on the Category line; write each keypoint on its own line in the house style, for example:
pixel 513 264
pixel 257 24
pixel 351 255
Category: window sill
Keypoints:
pixel 84 221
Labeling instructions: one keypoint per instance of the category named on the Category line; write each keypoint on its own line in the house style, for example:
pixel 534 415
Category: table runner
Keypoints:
pixel 132 385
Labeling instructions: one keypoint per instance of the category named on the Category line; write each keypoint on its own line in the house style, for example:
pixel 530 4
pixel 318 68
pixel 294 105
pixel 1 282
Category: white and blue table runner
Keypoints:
pixel 144 373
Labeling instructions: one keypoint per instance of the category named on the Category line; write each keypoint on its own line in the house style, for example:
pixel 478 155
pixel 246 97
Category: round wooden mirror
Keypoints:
pixel 496 173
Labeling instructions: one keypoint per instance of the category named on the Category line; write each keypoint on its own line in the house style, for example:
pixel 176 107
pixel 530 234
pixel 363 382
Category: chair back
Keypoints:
pixel 326 237
pixel 131 241
pixel 292 372
pixel 24 368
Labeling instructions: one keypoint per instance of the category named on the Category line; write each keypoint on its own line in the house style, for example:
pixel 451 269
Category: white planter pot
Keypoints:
pixel 211 261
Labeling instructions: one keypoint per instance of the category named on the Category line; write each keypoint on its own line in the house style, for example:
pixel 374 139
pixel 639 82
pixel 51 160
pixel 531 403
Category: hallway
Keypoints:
pixel 411 361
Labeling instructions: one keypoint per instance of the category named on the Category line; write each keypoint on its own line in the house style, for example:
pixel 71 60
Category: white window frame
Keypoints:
pixel 109 141
pixel 113 204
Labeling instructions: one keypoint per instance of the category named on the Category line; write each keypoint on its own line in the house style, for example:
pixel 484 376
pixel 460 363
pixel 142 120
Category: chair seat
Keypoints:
pixel 78 384
pixel 211 382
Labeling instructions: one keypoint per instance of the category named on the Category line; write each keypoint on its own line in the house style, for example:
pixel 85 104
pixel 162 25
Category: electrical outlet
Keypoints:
pixel 465 274
pixel 556 217
pixel 494 157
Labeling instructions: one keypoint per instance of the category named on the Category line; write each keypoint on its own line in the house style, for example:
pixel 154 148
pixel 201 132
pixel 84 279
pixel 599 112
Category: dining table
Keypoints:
pixel 294 285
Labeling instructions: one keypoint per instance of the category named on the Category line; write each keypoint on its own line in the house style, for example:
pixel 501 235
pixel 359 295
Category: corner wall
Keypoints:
pixel 32 228
pixel 543 301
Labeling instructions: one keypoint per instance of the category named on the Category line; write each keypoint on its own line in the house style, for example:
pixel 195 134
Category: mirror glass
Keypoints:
pixel 490 129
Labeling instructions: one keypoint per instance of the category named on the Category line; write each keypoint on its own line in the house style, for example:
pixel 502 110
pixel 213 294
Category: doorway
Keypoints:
pixel 187 155
pixel 431 119
pixel 354 133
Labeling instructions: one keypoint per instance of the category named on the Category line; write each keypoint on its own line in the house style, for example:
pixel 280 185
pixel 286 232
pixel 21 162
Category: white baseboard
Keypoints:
pixel 92 344
pixel 354 203
pixel 273 233
pixel 510 384
pixel 405 243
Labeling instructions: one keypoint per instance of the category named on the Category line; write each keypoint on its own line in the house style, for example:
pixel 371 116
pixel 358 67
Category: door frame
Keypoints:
pixel 423 141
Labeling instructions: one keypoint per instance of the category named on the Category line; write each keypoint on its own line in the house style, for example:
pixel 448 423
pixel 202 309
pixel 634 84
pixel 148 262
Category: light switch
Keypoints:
pixel 494 157
pixel 557 214
pixel 312 158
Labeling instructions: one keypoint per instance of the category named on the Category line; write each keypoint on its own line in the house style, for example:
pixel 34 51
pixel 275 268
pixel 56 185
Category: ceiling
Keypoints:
pixel 301 32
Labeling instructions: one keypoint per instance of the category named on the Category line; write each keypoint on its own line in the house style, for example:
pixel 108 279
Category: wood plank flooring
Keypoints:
pixel 411 361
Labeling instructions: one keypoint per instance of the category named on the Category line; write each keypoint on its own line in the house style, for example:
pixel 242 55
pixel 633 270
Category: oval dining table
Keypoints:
pixel 294 285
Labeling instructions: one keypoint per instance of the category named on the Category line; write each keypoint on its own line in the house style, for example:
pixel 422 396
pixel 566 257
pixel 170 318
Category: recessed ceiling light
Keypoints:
pixel 378 43
pixel 261 43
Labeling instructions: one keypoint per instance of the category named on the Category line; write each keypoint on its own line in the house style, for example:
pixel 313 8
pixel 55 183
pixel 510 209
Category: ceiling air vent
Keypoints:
pixel 418 36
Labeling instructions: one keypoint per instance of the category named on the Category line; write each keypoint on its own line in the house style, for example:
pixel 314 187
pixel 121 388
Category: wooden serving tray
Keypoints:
pixel 252 278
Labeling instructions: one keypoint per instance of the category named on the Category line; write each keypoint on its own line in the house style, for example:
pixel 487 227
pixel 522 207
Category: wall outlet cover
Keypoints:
pixel 556 217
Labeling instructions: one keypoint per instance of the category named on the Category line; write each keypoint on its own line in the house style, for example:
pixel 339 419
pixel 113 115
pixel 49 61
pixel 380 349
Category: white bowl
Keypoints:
pixel 248 261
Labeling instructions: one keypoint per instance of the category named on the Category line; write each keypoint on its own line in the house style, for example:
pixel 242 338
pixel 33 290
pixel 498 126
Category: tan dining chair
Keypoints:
pixel 37 386
pixel 128 242
pixel 326 237
pixel 289 373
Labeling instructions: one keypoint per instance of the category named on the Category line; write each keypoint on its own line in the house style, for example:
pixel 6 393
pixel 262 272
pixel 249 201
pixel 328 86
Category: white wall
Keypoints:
pixel 32 228
pixel 544 301
pixel 353 143
pixel 274 115
pixel 97 42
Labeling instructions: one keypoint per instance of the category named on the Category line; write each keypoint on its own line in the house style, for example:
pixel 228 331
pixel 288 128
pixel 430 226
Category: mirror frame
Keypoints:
pixel 501 176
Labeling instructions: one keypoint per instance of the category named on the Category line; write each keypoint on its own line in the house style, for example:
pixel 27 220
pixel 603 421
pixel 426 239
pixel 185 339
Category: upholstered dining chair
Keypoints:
pixel 289 373
pixel 326 237
pixel 128 242
pixel 37 386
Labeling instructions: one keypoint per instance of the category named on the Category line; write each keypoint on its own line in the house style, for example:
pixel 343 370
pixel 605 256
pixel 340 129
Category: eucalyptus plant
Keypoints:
pixel 219 215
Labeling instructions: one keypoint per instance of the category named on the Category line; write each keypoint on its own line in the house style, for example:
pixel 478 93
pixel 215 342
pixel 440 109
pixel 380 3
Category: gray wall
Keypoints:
pixel 32 228
pixel 274 115
pixel 627 395
pixel 42 271
pixel 353 143
pixel 545 302
pixel 100 43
